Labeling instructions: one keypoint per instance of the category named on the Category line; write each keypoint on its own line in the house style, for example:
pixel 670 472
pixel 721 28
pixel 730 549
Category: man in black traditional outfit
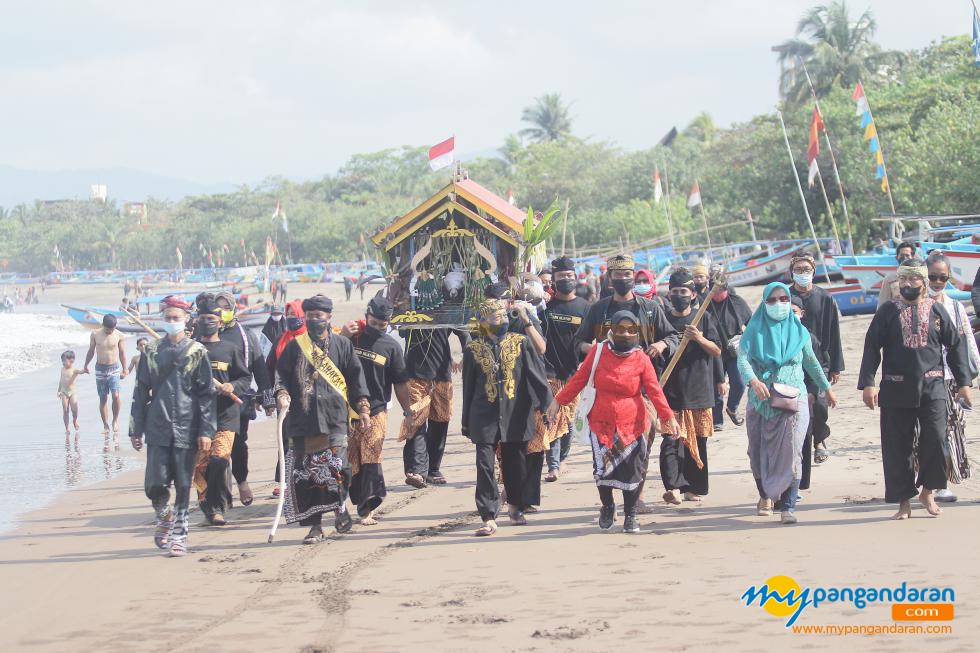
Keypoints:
pixel 430 366
pixel 821 318
pixel 231 379
pixel 690 391
pixel 322 384
pixel 173 407
pixel 562 319
pixel 731 314
pixel 384 367
pixel 912 331
pixel 503 383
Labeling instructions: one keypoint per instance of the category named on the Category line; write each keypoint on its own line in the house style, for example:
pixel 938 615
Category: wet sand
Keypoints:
pixel 83 573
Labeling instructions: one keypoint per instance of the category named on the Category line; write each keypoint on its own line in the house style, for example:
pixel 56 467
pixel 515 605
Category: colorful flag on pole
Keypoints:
pixel 658 189
pixel 813 147
pixel 976 37
pixel 441 154
pixel 870 134
pixel 180 257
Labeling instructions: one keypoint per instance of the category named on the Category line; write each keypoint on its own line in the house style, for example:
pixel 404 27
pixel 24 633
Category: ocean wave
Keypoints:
pixel 28 340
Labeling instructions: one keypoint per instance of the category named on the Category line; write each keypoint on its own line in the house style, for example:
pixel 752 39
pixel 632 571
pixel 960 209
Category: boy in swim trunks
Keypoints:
pixel 66 389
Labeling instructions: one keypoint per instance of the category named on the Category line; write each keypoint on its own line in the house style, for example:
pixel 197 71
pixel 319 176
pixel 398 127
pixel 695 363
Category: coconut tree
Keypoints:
pixel 836 50
pixel 549 119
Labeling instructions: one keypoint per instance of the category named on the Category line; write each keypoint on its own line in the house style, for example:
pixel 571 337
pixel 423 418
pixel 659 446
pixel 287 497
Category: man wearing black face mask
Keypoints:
pixel 384 367
pixel 230 372
pixel 322 384
pixel 657 337
pixel 690 392
pixel 907 337
pixel 503 383
pixel 889 285
pixel 562 319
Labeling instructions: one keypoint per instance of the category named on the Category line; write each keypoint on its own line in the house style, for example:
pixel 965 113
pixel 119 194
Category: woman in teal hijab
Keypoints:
pixel 775 348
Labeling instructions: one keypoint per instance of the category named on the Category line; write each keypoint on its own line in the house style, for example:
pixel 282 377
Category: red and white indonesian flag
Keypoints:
pixel 510 197
pixel 813 147
pixel 658 189
pixel 441 154
pixel 694 198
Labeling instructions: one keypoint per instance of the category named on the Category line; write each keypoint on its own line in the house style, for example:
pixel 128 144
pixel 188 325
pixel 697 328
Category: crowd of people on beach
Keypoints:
pixel 603 359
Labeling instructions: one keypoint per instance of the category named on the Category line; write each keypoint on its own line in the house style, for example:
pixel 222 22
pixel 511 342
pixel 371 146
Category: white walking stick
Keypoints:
pixel 282 474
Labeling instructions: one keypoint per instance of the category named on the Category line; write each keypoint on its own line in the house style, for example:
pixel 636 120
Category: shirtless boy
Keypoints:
pixel 107 345
pixel 66 390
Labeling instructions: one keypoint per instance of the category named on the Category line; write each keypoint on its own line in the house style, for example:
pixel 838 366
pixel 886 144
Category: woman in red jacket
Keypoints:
pixel 619 419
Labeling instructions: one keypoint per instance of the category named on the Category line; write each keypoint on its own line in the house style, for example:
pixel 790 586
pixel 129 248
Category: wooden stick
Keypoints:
pixel 282 475
pixel 716 285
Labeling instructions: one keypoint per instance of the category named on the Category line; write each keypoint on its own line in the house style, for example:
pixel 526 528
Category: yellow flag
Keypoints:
pixel 870 131
pixel 884 184
pixel 879 159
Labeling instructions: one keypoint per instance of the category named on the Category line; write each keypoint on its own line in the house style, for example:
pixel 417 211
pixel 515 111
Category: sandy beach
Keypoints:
pixel 83 574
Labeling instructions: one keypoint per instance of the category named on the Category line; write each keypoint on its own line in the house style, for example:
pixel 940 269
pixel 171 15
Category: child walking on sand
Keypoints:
pixel 66 389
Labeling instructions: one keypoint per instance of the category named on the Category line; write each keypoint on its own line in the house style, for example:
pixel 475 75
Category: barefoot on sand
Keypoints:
pixel 929 502
pixel 368 519
pixel 904 511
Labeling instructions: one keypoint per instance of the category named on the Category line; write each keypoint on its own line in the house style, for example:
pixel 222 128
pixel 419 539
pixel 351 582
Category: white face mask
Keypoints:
pixel 933 293
pixel 276 318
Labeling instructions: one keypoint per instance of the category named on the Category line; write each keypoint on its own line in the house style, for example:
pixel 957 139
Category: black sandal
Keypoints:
pixel 737 419
pixel 315 536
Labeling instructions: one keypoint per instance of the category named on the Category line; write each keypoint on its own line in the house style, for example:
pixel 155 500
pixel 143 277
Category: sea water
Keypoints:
pixel 38 461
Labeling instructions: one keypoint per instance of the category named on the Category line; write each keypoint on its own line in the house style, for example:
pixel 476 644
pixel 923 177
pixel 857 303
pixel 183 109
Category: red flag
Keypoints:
pixel 813 147
pixel 694 198
pixel 441 154
pixel 658 189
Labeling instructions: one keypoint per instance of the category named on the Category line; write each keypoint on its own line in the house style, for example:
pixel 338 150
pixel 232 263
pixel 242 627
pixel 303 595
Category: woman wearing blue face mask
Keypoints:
pixel 773 354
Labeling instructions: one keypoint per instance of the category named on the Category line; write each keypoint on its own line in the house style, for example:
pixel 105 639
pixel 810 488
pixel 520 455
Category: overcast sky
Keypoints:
pixel 237 91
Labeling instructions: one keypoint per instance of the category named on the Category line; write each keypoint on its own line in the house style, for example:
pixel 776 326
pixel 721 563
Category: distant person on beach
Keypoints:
pixel 174 410
pixel 348 286
pixel 135 360
pixel 822 319
pixel 321 383
pixel 907 339
pixel 66 390
pixel 283 287
pixel 108 347
pixel 231 378
pixel 361 283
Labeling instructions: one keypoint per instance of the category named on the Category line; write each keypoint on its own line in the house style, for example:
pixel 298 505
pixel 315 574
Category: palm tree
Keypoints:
pixel 836 51
pixel 549 117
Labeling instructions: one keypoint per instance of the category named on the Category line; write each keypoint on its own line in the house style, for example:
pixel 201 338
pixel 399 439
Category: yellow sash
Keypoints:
pixel 325 368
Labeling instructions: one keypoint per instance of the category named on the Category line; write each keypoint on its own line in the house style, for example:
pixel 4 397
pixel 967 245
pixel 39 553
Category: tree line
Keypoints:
pixel 926 106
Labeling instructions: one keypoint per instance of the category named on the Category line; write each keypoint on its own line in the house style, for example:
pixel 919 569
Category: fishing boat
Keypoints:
pixel 90 317
pixel 853 299
pixel 761 269
pixel 867 269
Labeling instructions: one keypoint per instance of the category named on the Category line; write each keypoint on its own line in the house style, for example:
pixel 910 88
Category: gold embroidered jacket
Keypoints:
pixel 503 383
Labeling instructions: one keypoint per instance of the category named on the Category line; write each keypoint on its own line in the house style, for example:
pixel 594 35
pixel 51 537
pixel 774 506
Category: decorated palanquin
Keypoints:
pixel 442 254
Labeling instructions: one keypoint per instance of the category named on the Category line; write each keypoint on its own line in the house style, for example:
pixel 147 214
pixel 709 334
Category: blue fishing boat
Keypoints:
pixel 853 299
